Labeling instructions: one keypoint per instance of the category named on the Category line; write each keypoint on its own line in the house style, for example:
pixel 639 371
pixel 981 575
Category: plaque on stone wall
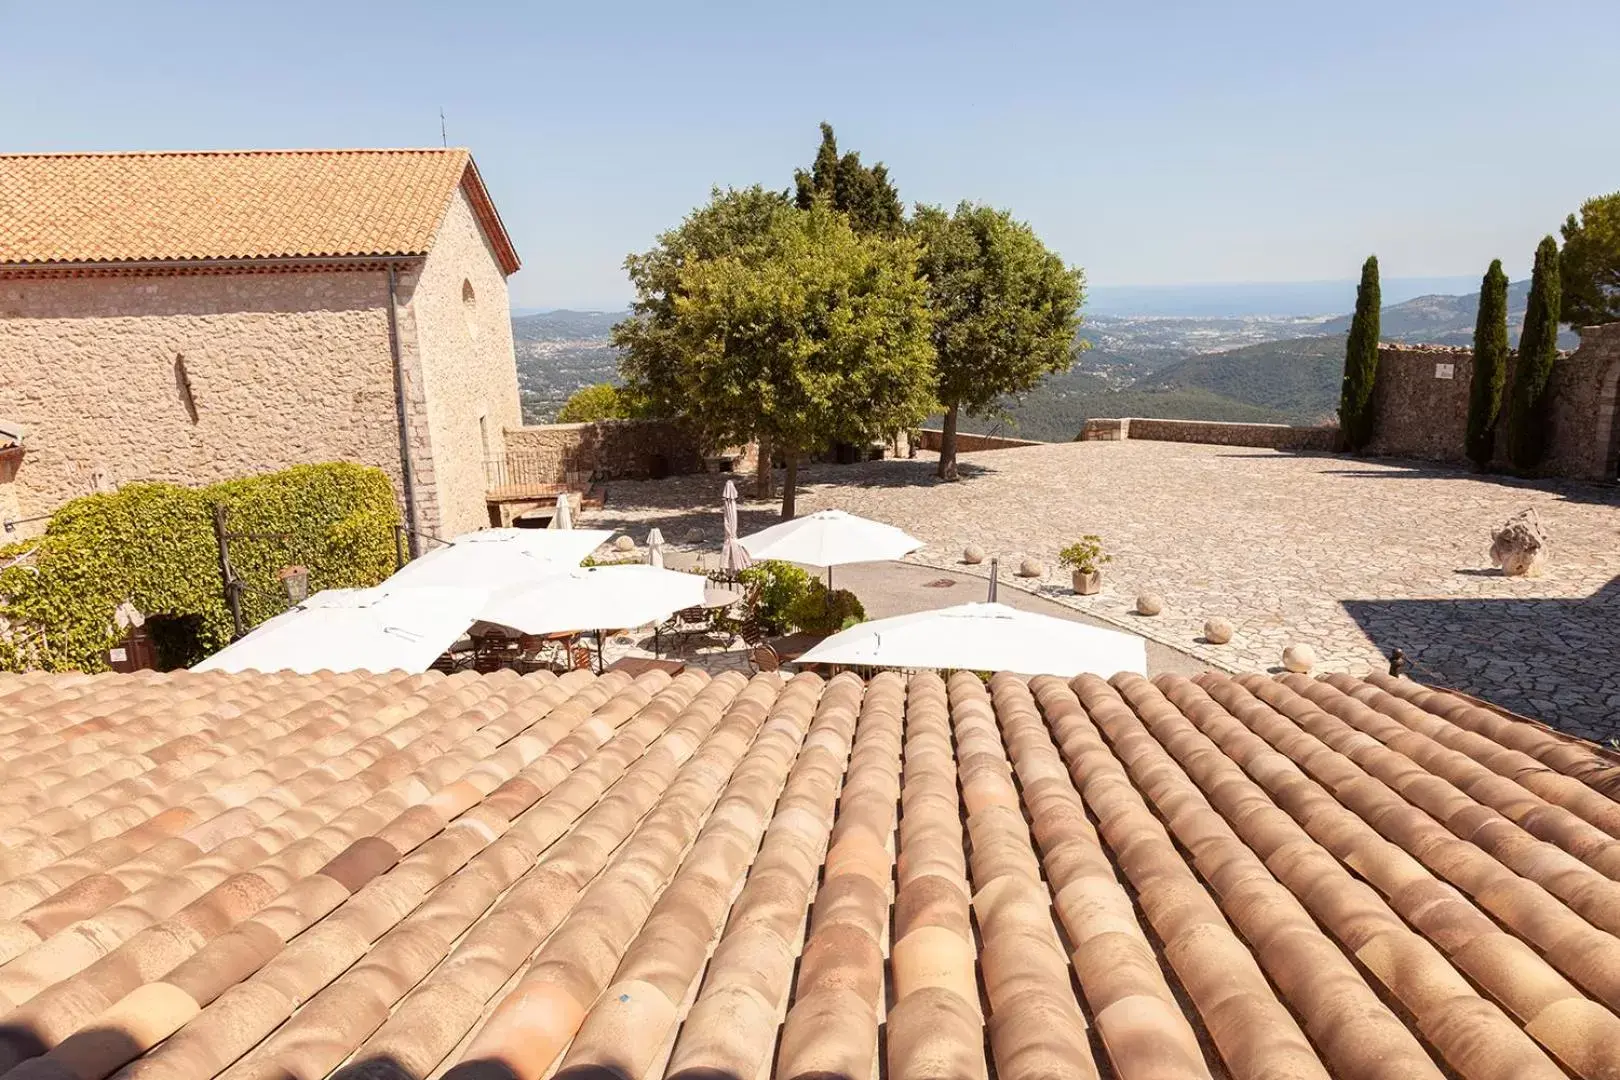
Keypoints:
pixel 1445 371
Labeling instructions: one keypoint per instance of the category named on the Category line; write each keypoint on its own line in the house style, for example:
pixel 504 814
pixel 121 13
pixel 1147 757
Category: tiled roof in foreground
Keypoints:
pixel 273 877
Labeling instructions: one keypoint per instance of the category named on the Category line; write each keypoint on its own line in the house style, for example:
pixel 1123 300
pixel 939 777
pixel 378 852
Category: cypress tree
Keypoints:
pixel 1538 349
pixel 1490 366
pixel 1360 363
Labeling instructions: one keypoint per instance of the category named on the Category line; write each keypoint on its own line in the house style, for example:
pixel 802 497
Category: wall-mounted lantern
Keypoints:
pixel 295 579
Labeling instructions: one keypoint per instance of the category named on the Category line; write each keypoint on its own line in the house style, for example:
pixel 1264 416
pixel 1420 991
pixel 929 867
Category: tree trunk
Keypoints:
pixel 789 485
pixel 764 481
pixel 947 445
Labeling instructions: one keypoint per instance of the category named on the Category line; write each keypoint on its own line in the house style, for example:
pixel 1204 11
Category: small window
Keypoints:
pixel 469 307
pixel 182 384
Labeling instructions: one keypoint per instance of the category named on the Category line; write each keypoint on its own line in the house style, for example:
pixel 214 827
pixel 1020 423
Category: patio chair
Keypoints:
pixel 686 624
pixel 762 657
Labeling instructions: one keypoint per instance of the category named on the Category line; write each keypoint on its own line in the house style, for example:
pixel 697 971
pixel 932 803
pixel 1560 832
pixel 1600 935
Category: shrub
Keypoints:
pixel 781 586
pixel 1085 554
pixel 821 612
pixel 152 546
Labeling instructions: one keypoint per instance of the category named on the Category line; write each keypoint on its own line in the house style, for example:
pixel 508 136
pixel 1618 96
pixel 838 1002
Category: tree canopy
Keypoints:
pixel 599 401
pixel 1590 263
pixel 757 320
pixel 1490 366
pixel 1361 362
pixel 865 194
pixel 1005 310
pixel 1538 350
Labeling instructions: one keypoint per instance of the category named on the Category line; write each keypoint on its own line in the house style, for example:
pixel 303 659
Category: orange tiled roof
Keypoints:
pixel 386 876
pixel 212 205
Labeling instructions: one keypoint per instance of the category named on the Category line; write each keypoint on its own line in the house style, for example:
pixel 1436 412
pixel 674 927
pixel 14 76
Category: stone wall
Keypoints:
pixel 193 378
pixel 606 450
pixel 463 326
pixel 967 443
pixel 1420 402
pixel 1219 433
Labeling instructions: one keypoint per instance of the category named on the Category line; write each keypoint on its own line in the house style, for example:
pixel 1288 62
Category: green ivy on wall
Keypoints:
pixel 152 546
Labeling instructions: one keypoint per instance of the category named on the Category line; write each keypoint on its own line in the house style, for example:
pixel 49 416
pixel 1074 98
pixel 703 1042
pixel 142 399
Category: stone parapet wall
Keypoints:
pixel 967 443
pixel 1420 404
pixel 1218 433
pixel 605 450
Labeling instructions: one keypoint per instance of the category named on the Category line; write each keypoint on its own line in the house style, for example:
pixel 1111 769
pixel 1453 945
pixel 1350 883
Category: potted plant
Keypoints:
pixel 1085 557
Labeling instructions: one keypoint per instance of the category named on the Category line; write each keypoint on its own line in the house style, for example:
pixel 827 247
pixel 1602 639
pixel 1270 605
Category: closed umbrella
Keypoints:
pixel 564 517
pixel 386 628
pixel 830 538
pixel 495 558
pixel 655 548
pixel 733 556
pixel 984 637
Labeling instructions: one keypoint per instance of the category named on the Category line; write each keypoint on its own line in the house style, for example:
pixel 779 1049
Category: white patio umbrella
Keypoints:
pixel 984 637
pixel 830 538
pixel 733 556
pixel 564 517
pixel 655 548
pixel 379 629
pixel 594 598
pixel 495 558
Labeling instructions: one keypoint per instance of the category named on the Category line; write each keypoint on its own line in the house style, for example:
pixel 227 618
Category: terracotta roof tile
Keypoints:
pixel 263 876
pixel 232 205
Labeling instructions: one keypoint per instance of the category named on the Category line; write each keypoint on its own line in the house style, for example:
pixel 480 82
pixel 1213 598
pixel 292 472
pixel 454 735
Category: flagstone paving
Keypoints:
pixel 1355 557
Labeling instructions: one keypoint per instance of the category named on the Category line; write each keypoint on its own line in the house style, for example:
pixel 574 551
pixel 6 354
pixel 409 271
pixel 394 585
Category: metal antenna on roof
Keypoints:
pixel 444 140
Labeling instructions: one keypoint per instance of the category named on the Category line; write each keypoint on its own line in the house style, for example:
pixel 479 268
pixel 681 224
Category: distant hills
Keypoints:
pixel 1253 368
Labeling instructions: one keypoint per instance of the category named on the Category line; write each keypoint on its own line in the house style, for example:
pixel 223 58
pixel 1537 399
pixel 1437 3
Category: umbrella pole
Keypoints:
pixel 600 669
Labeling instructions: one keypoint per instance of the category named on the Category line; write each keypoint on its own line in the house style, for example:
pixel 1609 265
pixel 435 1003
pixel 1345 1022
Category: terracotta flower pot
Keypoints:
pixel 1087 582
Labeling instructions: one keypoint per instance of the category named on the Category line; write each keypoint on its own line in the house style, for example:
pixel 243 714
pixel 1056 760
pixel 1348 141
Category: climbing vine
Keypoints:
pixel 152 546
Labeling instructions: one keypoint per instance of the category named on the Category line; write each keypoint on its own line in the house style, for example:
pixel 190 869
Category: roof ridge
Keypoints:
pixel 247 152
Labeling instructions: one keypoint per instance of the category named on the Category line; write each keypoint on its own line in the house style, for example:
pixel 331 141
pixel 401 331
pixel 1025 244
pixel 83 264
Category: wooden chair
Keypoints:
pixel 762 657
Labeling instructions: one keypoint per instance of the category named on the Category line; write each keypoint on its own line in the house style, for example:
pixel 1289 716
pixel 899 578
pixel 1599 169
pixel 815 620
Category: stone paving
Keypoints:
pixel 1352 556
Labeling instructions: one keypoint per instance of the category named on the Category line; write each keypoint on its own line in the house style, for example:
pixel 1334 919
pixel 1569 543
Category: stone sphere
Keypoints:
pixel 973 554
pixel 1217 631
pixel 1031 568
pixel 624 543
pixel 1149 604
pixel 1299 657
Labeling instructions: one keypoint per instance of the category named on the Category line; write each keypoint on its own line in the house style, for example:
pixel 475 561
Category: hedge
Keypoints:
pixel 152 546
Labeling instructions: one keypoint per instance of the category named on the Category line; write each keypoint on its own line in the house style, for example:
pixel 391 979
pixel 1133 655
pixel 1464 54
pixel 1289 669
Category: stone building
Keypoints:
pixel 190 317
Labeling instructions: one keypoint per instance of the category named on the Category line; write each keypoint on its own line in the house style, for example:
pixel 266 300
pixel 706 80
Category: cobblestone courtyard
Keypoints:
pixel 1353 556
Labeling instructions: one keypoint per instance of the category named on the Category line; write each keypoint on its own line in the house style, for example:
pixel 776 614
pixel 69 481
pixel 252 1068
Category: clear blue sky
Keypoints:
pixel 1149 142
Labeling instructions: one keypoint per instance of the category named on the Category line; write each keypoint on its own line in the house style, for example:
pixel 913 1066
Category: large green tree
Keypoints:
pixel 864 193
pixel 1590 264
pixel 1538 350
pixel 1361 362
pixel 1005 311
pixel 796 330
pixel 1490 366
pixel 734 223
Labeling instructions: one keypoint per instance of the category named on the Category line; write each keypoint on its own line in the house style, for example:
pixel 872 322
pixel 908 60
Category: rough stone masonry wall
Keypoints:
pixel 463 326
pixel 967 442
pixel 606 450
pixel 1420 401
pixel 282 369
pixel 1219 433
